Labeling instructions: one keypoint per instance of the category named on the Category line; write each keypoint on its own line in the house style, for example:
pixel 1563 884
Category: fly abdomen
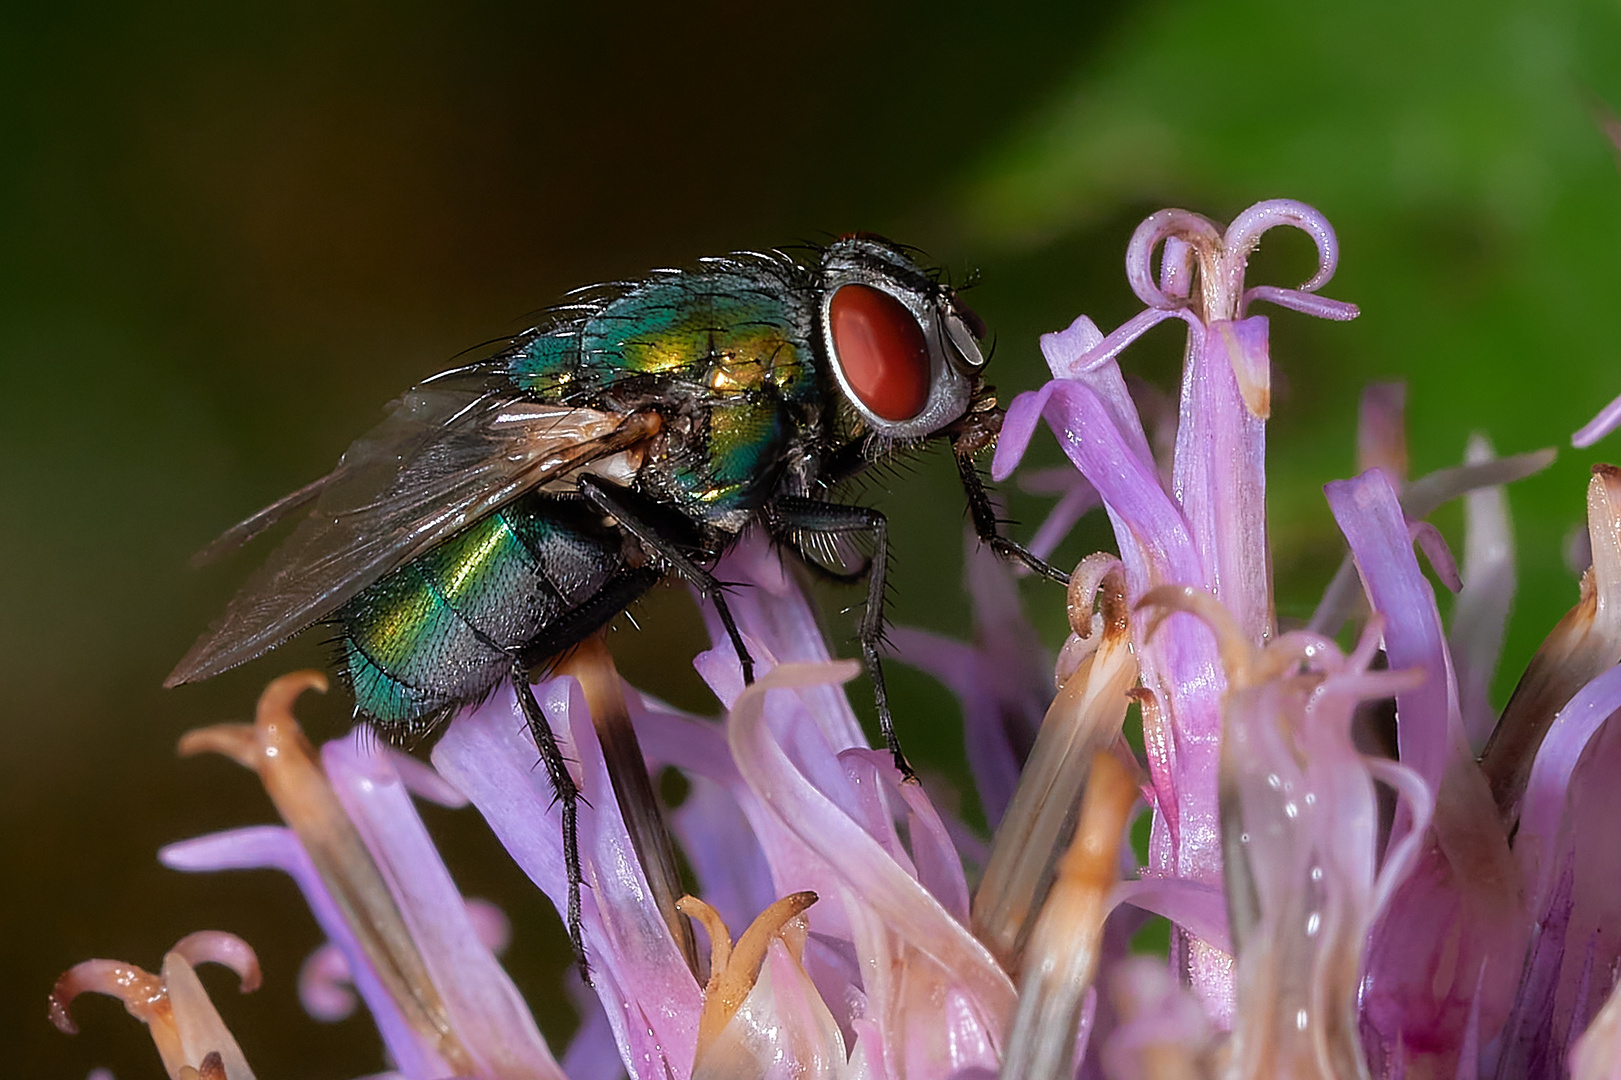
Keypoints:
pixel 444 628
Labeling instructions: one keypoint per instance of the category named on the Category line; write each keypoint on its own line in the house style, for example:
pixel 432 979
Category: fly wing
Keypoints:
pixel 451 451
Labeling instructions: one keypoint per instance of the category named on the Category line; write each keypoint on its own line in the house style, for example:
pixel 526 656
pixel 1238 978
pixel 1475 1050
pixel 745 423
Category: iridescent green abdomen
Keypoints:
pixel 440 630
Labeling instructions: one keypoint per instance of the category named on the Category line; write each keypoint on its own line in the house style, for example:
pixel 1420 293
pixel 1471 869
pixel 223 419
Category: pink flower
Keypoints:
pixel 1351 897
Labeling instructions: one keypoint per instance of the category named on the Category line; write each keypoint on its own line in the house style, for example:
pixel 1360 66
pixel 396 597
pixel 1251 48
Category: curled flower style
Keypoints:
pixel 192 1040
pixel 1370 871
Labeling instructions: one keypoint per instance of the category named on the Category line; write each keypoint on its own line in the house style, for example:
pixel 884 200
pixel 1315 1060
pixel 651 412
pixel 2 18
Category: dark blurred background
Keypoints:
pixel 230 233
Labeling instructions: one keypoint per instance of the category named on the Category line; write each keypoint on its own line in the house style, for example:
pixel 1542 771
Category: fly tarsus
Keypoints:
pixel 567 794
pixel 791 516
pixel 986 526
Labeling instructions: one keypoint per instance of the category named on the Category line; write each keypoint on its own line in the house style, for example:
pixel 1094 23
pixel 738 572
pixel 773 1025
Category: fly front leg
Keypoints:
pixel 983 513
pixel 568 794
pixel 790 515
pixel 638 519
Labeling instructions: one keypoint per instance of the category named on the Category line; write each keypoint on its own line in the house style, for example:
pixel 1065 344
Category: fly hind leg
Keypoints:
pixel 789 517
pixel 641 521
pixel 568 795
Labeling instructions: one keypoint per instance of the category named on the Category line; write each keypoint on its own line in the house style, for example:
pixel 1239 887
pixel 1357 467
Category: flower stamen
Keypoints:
pixel 733 969
pixel 1061 958
pixel 1084 719
pixel 191 1039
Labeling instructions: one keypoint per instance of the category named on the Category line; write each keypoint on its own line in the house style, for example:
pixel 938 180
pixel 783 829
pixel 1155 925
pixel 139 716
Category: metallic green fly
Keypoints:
pixel 507 510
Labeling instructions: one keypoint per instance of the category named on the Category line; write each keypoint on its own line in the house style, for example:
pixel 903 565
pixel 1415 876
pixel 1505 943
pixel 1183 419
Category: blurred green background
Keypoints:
pixel 230 233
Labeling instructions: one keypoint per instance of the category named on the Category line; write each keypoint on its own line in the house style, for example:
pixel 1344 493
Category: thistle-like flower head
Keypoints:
pixel 1354 892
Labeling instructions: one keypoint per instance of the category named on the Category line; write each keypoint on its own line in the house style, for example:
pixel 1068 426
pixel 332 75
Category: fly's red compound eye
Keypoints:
pixel 881 350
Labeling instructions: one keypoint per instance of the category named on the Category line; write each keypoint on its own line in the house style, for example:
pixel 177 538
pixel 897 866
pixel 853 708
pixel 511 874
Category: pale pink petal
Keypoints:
pixel 1200 909
pixel 592 1053
pixel 1529 1046
pixel 1608 419
pixel 421 780
pixel 1593 943
pixel 1381 430
pixel 1220 470
pixel 1421 498
pixel 489 1016
pixel 1480 618
pixel 275 847
pixel 1370 516
pixel 1180 664
pixel 888 909
pixel 1452 915
pixel 782 1030
pixel 1546 792
pixel 1075 354
pixel 651 998
pixel 1302 847
pixel 1434 546
pixel 931 858
pixel 324 985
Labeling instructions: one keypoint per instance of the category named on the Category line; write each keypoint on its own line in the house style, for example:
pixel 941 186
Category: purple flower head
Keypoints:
pixel 1370 871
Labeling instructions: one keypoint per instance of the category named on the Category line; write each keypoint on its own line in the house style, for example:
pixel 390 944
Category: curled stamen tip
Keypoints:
pixel 1194 230
pixel 235 741
pixel 1099 580
pixel 221 947
pixel 1245 232
pixel 274 725
pixel 734 969
pixel 137 988
pixel 276 703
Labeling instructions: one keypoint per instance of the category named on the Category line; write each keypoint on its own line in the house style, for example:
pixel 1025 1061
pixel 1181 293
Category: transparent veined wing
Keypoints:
pixel 452 450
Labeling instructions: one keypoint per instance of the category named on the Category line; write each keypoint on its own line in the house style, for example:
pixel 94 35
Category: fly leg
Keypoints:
pixel 623 506
pixel 791 514
pixel 983 513
pixel 563 787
